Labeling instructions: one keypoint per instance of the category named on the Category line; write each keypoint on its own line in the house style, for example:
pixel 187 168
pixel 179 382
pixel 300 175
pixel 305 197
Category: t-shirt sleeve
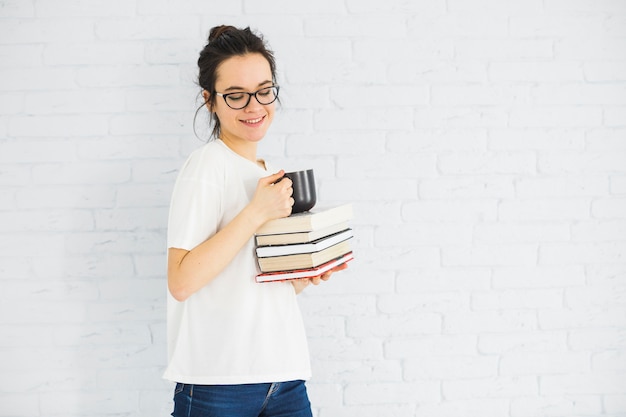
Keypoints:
pixel 194 213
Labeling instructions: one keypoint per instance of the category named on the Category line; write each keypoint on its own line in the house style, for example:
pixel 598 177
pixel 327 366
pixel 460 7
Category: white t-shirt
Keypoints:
pixel 234 330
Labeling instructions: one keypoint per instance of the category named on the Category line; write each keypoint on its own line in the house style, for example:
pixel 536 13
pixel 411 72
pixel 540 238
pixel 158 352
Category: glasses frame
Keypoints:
pixel 250 95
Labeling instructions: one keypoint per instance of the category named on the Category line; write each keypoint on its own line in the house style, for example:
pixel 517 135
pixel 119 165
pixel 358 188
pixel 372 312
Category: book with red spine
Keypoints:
pixel 304 273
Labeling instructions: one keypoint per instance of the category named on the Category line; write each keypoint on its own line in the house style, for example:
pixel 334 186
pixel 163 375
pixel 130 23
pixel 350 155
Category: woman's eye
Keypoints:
pixel 236 96
pixel 265 92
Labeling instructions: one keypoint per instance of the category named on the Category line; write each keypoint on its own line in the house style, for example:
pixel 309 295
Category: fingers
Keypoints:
pixel 274 178
pixel 278 183
pixel 284 186
pixel 326 275
pixel 302 283
pixel 278 179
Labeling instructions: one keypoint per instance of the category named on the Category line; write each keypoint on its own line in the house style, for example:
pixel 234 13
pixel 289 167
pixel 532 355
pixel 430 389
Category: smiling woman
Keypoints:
pixel 241 119
pixel 230 338
pixel 228 42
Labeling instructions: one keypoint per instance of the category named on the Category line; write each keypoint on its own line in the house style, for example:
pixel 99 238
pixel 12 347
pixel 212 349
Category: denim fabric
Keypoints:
pixel 280 399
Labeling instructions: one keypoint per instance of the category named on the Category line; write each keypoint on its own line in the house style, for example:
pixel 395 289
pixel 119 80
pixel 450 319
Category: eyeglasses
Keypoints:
pixel 240 100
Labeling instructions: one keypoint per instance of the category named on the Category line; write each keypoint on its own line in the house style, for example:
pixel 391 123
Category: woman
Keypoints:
pixel 235 347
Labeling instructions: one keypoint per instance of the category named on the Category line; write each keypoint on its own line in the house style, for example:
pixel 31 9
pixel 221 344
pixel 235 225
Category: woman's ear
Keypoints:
pixel 207 99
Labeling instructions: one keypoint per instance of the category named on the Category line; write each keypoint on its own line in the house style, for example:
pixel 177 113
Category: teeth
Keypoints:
pixel 254 120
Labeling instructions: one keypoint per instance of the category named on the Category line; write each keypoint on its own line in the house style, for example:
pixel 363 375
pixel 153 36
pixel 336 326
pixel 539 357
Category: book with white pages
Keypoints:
pixel 315 246
pixel 314 219
pixel 303 260
pixel 300 237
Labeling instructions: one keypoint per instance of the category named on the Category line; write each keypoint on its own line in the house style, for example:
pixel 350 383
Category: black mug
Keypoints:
pixel 304 193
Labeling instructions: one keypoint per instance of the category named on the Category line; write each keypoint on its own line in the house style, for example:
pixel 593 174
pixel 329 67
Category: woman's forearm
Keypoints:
pixel 188 271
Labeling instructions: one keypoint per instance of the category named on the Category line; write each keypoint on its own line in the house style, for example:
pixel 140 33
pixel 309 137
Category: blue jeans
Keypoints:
pixel 280 399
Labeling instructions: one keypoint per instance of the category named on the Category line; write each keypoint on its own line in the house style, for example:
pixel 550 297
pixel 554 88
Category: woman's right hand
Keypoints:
pixel 272 198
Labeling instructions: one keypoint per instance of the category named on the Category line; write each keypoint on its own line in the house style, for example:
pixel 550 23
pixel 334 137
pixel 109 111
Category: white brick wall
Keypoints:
pixel 482 143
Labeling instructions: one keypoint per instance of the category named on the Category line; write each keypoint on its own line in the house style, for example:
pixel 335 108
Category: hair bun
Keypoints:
pixel 218 31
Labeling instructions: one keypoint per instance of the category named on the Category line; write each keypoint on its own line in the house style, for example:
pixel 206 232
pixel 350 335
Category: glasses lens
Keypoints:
pixel 237 101
pixel 267 95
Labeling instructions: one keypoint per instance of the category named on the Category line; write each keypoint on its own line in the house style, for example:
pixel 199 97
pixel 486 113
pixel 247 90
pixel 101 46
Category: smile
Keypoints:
pixel 253 121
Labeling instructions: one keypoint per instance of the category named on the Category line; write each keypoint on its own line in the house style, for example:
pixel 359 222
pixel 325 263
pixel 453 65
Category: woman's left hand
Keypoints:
pixel 301 284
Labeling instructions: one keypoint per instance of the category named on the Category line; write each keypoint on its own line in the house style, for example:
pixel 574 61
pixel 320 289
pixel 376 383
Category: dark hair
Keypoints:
pixel 226 42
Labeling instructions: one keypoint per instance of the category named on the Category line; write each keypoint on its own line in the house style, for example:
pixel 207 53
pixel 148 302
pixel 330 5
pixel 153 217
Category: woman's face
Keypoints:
pixel 247 73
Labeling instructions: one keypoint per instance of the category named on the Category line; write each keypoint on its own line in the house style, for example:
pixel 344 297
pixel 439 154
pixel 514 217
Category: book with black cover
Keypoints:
pixel 315 246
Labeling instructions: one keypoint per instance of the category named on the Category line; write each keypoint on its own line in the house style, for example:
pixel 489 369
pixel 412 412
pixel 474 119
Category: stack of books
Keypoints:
pixel 304 245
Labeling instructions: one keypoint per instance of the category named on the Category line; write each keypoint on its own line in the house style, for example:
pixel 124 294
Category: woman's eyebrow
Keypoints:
pixel 237 88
